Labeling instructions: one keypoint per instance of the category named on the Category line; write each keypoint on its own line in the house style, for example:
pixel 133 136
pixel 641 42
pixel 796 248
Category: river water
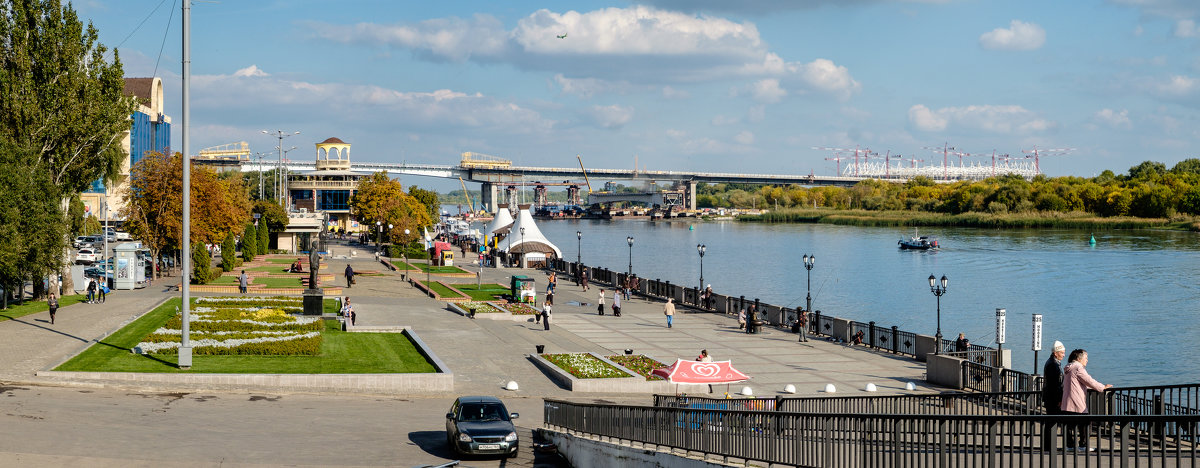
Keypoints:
pixel 1132 300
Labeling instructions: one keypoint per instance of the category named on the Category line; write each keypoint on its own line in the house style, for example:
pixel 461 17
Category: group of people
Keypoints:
pixel 1064 392
pixel 95 291
pixel 616 302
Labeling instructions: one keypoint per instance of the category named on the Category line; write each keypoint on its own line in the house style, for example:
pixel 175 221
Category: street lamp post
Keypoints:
pixel 279 168
pixel 405 254
pixel 809 262
pixel 938 290
pixel 630 241
pixel 379 234
pixel 700 249
pixel 523 264
pixel 578 246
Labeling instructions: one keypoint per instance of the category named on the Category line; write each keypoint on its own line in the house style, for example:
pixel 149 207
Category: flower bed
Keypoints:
pixel 584 366
pixel 241 326
pixel 641 364
pixel 479 307
pixel 518 308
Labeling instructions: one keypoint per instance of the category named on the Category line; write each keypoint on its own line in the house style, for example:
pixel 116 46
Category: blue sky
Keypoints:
pixel 708 85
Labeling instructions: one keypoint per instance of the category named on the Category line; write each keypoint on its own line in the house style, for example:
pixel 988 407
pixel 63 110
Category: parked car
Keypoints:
pixel 85 256
pixel 481 425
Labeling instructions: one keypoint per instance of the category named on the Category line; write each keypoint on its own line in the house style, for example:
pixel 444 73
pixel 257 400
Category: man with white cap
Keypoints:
pixel 1052 390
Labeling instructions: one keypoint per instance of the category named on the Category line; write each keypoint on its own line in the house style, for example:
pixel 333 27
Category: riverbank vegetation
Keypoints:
pixel 1149 195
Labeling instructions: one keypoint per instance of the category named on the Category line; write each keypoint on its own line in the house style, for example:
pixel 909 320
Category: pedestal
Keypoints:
pixel 314 301
pixel 185 357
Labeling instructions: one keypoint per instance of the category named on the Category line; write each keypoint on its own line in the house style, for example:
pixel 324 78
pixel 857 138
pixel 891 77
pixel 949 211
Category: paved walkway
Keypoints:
pixel 486 354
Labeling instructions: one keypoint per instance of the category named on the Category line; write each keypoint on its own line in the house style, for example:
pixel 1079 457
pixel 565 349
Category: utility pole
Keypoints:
pixel 279 177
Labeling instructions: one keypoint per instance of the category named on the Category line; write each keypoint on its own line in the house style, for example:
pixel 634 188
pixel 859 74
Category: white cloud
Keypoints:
pixel 252 89
pixel 744 137
pixel 987 118
pixel 767 91
pixel 676 134
pixel 1019 36
pixel 610 117
pixel 251 70
pixel 1114 119
pixel 672 93
pixel 587 87
pixel 1186 28
pixel 636 45
pixel 1177 86
pixel 721 121
pixel 762 7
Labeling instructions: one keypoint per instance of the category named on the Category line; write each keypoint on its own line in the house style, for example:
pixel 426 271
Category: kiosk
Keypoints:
pixel 129 266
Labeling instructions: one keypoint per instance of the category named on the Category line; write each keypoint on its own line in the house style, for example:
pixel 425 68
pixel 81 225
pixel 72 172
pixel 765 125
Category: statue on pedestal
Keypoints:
pixel 314 264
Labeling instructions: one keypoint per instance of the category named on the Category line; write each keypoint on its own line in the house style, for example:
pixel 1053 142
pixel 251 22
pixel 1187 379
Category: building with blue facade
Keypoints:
pixel 328 188
pixel 149 131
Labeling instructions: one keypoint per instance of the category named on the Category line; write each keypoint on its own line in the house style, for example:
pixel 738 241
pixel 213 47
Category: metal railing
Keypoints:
pixel 890 440
pixel 977 404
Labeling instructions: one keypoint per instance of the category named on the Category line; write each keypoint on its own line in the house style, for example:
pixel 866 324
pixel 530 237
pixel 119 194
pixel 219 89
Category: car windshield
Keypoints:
pixel 482 412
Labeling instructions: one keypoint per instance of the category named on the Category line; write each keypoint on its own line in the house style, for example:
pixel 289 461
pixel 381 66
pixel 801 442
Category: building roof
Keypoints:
pixel 502 220
pixel 140 88
pixel 332 140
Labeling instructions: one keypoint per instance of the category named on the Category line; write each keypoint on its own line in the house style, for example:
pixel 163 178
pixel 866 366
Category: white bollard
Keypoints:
pixel 870 387
pixel 747 391
pixel 910 386
pixel 789 388
pixel 829 388
pixel 512 385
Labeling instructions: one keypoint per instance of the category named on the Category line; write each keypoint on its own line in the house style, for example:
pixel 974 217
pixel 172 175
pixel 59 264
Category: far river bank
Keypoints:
pixel 1057 220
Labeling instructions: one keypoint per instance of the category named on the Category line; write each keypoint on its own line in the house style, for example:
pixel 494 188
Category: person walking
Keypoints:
pixel 1076 381
pixel 546 314
pixel 101 289
pixel 243 281
pixel 600 302
pixel 669 310
pixel 349 275
pixel 616 302
pixel 583 278
pixel 1052 391
pixel 552 283
pixel 52 303
pixel 91 291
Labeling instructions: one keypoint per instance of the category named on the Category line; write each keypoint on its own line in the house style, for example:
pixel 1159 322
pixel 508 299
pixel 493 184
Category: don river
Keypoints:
pixel 1131 299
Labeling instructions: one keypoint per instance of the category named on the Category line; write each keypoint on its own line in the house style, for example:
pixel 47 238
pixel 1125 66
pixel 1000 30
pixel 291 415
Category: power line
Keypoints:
pixel 139 26
pixel 164 39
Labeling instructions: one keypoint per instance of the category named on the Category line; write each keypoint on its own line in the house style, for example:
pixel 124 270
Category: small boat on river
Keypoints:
pixel 918 242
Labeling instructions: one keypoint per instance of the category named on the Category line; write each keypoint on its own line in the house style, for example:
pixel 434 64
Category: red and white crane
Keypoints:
pixel 857 151
pixel 945 149
pixel 1036 154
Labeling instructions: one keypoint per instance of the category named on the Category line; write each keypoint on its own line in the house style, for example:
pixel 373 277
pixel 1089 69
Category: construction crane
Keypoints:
pixel 838 157
pixel 467 194
pixel 866 152
pixel 945 149
pixel 585 177
pixel 1036 153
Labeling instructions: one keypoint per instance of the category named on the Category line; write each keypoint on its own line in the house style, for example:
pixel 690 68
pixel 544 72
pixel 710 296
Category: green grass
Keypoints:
pixel 441 290
pixel 282 261
pixel 271 268
pixel 341 353
pixel 32 307
pixel 423 267
pixel 488 292
pixel 267 282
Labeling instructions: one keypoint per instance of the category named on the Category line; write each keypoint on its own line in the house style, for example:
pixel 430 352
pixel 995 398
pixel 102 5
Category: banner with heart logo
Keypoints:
pixel 695 372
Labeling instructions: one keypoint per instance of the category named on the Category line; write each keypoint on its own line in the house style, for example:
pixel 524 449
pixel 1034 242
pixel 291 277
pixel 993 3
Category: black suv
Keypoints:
pixel 481 425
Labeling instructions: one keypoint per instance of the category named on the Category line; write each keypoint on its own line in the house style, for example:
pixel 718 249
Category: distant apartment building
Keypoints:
pixel 149 131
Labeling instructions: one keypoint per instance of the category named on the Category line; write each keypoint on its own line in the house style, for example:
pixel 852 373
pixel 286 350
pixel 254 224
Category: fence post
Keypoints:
pixel 895 344
pixel 816 323
pixel 872 325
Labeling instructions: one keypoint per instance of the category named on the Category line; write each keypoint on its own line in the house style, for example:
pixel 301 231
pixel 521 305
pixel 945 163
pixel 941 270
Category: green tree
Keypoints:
pixel 1187 166
pixel 32 224
pixel 1149 170
pixel 201 264
pixel 427 198
pixel 91 225
pixel 75 216
pixel 272 214
pixel 249 243
pixel 264 238
pixel 380 198
pixel 1190 201
pixel 229 259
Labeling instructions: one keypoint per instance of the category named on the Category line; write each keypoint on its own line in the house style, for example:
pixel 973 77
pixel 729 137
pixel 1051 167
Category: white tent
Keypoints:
pixel 502 220
pixel 532 241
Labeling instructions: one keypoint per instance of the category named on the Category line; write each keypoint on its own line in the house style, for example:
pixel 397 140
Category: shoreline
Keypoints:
pixel 971 219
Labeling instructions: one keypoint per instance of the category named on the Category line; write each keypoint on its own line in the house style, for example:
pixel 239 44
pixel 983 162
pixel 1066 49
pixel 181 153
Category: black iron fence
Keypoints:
pixel 891 440
pixel 978 404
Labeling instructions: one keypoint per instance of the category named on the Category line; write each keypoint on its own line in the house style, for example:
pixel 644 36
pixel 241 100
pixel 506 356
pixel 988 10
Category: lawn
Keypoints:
pixel 441 290
pixel 266 282
pixel 32 307
pixel 272 268
pixel 341 353
pixel 284 261
pixel 423 267
pixel 487 291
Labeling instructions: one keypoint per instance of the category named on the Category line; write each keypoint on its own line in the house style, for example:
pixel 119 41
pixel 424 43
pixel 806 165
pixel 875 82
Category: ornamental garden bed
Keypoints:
pixel 441 291
pixel 222 319
pixel 642 364
pixel 564 368
pixel 484 292
pixel 436 270
pixel 496 310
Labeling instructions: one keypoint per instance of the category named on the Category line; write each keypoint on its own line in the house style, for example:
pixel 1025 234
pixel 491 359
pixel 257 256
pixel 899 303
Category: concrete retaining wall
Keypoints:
pixel 634 384
pixel 584 451
pixel 944 370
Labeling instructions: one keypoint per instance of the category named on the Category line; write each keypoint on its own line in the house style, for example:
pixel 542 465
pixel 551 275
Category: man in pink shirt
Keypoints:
pixel 1076 382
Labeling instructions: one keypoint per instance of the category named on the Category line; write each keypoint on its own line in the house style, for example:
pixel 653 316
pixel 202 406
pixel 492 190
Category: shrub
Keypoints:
pixel 201 265
pixel 249 243
pixel 264 239
pixel 229 259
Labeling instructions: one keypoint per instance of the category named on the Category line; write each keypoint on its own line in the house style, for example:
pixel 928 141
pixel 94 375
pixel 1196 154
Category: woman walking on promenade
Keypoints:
pixel 600 302
pixel 1076 381
pixel 52 302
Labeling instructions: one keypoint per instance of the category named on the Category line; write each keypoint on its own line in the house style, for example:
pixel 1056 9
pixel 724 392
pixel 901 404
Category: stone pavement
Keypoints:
pixel 486 354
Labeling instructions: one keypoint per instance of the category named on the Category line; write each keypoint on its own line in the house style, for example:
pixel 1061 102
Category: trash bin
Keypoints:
pixel 541 349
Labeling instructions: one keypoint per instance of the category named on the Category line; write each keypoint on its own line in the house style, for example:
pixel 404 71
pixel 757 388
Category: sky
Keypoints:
pixel 747 86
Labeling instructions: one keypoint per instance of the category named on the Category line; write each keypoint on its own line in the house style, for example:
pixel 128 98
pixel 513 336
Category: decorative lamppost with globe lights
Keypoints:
pixel 700 249
pixel 938 290
pixel 630 241
pixel 405 250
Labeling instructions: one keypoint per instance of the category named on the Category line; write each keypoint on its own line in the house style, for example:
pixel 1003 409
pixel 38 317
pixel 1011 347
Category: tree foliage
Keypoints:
pixel 154 199
pixel 249 243
pixel 380 198
pixel 32 224
pixel 63 100
pixel 229 258
pixel 264 238
pixel 272 214
pixel 428 198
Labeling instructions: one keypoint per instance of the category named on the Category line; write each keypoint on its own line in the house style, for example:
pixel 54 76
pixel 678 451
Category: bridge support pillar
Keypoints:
pixel 487 193
pixel 690 194
pixel 539 196
pixel 573 195
pixel 510 195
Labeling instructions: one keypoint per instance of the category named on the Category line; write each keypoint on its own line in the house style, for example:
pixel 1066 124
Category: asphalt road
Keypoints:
pixel 53 426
